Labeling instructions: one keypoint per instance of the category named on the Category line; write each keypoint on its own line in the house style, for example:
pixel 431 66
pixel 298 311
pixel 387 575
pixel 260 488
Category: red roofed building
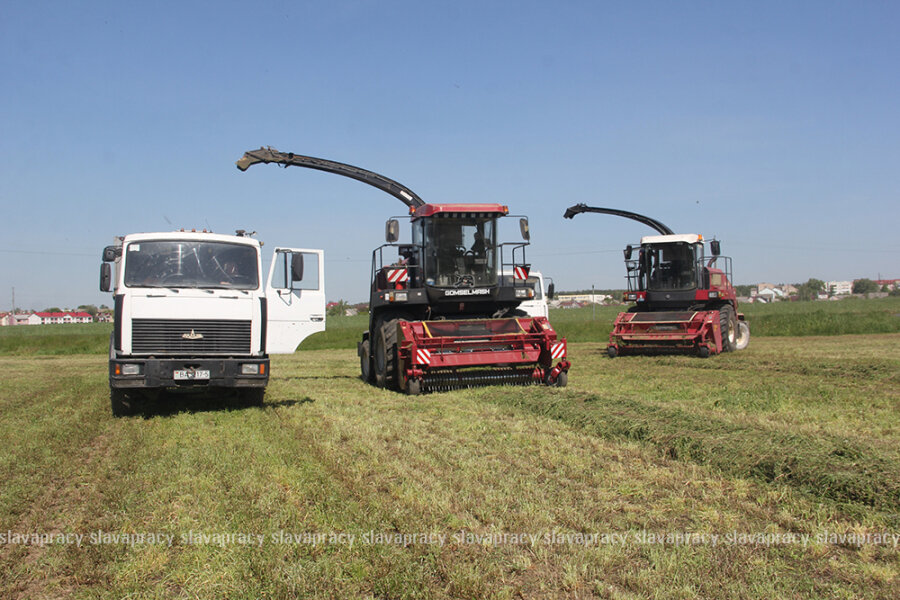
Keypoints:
pixel 892 284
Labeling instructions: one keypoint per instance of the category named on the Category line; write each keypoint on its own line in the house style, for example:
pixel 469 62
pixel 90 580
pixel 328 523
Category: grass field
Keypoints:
pixel 769 473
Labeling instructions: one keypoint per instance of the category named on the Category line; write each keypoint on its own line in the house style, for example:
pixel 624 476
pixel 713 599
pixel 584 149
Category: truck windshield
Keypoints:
pixel 459 251
pixel 191 264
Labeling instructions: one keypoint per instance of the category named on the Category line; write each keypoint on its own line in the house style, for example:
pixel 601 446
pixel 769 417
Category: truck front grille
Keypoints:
pixel 192 337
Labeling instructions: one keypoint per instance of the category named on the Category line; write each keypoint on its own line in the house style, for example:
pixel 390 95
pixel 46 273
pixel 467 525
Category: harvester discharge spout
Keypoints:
pixel 289 159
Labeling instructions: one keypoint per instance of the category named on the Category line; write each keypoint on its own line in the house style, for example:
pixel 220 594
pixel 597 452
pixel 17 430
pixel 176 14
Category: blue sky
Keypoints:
pixel 772 126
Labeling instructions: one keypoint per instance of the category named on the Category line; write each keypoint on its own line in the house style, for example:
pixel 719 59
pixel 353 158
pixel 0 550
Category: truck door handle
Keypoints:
pixel 317 318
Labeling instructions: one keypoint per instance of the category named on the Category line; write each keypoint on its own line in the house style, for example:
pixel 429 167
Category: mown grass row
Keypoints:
pixel 817 414
pixel 592 324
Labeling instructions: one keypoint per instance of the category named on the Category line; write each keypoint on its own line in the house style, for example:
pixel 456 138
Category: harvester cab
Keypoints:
pixel 683 298
pixel 440 314
pixel 452 266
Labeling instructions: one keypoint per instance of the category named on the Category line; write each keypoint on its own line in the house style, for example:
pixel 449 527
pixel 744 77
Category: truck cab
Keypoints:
pixel 536 304
pixel 192 311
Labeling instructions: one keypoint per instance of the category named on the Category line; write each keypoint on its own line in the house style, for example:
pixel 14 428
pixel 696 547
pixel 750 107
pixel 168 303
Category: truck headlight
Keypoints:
pixel 250 369
pixel 131 369
pixel 521 293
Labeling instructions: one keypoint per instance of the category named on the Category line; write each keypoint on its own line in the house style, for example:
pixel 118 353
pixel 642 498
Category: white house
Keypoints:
pixel 838 288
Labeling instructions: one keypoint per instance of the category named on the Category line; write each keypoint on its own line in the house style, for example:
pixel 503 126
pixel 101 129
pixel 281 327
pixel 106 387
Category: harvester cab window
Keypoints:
pixel 672 266
pixel 460 251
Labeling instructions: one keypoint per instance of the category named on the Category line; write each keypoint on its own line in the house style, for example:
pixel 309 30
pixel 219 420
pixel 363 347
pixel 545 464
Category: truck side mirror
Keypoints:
pixel 551 290
pixel 391 231
pixel 109 254
pixel 714 247
pixel 296 267
pixel 523 227
pixel 628 251
pixel 105 277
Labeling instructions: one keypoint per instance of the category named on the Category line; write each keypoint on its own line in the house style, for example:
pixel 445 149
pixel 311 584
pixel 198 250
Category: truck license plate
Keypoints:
pixel 187 374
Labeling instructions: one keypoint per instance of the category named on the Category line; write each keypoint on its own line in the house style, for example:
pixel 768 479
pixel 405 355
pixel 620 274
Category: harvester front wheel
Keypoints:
pixel 612 351
pixel 385 352
pixel 562 379
pixel 414 387
pixel 365 362
pixel 728 326
pixel 743 338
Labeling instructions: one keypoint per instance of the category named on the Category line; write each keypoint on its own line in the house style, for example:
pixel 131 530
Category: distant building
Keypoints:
pixel 583 298
pixel 838 288
pixel 58 318
pixel 892 284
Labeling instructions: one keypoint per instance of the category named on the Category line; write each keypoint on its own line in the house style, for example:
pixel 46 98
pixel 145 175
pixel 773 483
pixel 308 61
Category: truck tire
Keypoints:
pixel 252 396
pixel 743 338
pixel 120 403
pixel 384 358
pixel 728 328
pixel 366 373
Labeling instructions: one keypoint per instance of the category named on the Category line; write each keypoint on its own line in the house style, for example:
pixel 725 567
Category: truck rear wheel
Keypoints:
pixel 385 353
pixel 728 327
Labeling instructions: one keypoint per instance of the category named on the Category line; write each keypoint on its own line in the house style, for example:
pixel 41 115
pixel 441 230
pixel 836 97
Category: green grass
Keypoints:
pixel 55 340
pixel 791 436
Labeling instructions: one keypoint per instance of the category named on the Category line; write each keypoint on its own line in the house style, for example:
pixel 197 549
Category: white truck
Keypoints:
pixel 191 312
pixel 537 305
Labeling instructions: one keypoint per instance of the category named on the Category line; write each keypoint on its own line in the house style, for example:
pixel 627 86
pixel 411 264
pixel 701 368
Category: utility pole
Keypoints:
pixel 593 304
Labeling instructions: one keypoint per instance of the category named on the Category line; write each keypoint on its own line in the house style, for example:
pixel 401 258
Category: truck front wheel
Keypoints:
pixel 252 396
pixel 121 404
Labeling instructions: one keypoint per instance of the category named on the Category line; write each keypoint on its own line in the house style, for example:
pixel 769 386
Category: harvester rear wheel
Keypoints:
pixel 562 379
pixel 385 353
pixel 365 362
pixel 743 338
pixel 728 326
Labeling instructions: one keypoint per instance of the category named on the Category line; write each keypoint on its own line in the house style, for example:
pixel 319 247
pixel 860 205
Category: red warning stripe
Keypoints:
pixel 423 357
pixel 398 275
pixel 558 350
pixel 521 272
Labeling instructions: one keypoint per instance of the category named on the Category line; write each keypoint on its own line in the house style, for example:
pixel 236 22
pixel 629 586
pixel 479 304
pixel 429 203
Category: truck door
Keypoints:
pixel 295 292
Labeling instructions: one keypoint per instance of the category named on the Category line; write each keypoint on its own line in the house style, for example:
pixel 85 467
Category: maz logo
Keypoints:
pixel 193 335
